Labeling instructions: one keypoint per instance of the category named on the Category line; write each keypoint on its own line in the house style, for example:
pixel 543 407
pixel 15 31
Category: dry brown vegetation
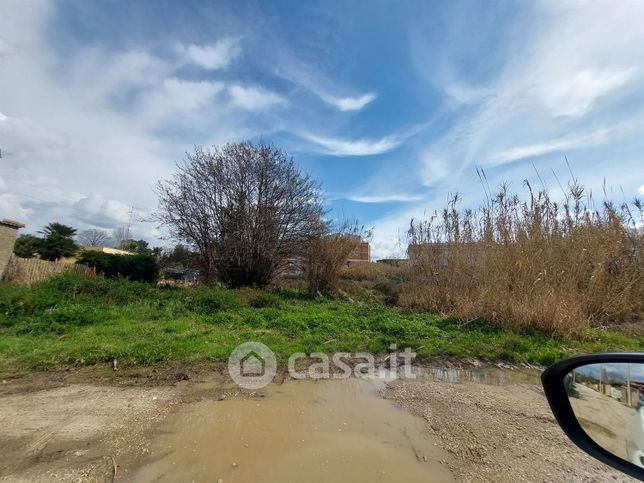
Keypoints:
pixel 327 255
pixel 530 263
pixel 523 262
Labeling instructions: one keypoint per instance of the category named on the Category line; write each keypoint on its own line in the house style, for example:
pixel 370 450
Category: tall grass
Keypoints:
pixel 530 261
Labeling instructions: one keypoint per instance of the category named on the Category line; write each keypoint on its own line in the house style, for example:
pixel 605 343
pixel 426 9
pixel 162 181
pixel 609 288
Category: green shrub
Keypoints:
pixel 265 299
pixel 140 267
pixel 207 300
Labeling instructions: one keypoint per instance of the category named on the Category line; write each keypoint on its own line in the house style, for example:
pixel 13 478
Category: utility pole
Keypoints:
pixel 129 224
pixel 629 396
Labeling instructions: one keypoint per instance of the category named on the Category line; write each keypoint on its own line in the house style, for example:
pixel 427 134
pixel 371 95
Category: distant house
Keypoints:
pixel 109 250
pixel 295 267
pixel 428 252
pixel 8 232
pixel 361 254
pixel 442 254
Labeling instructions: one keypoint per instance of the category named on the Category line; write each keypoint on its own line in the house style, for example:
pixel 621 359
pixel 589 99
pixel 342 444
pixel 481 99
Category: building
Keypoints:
pixel 361 254
pixel 8 232
pixel 109 250
pixel 296 267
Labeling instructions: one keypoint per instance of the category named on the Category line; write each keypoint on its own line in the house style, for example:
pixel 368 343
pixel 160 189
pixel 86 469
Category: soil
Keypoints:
pixel 100 425
pixel 498 433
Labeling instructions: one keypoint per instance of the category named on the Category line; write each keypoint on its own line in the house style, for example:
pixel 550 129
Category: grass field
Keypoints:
pixel 72 321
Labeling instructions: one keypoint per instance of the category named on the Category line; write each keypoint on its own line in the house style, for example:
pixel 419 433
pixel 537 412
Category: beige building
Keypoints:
pixel 108 250
pixel 8 233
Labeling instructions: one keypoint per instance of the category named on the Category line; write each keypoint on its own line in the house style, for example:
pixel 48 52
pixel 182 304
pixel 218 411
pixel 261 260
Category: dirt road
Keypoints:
pixel 498 433
pixel 70 430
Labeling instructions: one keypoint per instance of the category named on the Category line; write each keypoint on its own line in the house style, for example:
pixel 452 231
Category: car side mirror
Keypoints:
pixel 598 400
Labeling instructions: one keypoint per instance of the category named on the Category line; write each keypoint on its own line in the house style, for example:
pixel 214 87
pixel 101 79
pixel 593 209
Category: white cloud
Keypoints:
pixel 288 66
pixel 356 147
pixel 640 190
pixel 253 98
pixel 349 103
pixel 384 198
pixel 582 140
pixel 575 96
pixel 96 211
pixel 213 57
pixel 560 90
pixel 88 132
pixel 359 147
pixel 177 96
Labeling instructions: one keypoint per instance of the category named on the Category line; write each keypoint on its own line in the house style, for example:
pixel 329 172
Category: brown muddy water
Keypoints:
pixel 335 430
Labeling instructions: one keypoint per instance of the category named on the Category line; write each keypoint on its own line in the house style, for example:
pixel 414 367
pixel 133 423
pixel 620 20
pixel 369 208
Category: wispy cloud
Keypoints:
pixel 253 98
pixel 212 57
pixel 177 96
pixel 359 147
pixel 553 82
pixel 354 147
pixel 385 198
pixel 561 144
pixel 576 96
pixel 349 103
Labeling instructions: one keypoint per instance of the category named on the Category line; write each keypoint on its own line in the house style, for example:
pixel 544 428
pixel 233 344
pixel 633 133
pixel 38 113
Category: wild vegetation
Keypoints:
pixel 141 267
pixel 520 278
pixel 528 262
pixel 72 320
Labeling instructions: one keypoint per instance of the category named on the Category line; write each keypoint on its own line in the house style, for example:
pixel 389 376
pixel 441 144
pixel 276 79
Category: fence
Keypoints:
pixel 30 270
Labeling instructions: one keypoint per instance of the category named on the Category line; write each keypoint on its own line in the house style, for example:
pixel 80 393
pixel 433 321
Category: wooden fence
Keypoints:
pixel 30 270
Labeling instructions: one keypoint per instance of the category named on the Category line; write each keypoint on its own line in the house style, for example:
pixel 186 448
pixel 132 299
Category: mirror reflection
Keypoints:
pixel 608 402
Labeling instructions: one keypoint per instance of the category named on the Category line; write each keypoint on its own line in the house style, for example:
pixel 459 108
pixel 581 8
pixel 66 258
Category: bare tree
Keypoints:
pixel 244 207
pixel 120 235
pixel 93 238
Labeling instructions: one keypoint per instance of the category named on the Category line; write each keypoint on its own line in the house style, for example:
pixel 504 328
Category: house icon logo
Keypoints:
pixel 252 365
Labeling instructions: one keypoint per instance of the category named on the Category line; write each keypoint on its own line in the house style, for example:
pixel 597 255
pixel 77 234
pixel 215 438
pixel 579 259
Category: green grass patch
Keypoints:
pixel 71 320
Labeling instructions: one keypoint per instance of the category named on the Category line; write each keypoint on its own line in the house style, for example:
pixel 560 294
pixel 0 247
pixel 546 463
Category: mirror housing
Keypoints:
pixel 553 380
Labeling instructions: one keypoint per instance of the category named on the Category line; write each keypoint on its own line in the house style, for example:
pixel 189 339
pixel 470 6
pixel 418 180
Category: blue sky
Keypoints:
pixel 391 105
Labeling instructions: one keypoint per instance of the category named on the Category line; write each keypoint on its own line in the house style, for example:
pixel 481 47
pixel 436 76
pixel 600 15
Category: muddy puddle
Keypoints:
pixel 336 430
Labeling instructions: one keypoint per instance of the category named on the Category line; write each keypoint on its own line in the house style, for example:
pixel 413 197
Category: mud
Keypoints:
pixel 318 431
pixel 463 422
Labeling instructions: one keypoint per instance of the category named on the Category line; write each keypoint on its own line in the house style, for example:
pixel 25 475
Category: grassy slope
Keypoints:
pixel 74 321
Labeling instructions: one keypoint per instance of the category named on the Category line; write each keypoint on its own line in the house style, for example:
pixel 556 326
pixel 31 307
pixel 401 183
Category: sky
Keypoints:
pixel 390 105
pixel 618 371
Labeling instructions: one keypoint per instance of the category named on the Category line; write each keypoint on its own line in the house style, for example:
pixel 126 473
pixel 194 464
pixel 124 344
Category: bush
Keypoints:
pixel 328 254
pixel 140 267
pixel 207 300
pixel 537 263
pixel 265 299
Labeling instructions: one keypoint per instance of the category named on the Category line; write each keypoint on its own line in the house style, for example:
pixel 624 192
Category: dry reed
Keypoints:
pixel 530 262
